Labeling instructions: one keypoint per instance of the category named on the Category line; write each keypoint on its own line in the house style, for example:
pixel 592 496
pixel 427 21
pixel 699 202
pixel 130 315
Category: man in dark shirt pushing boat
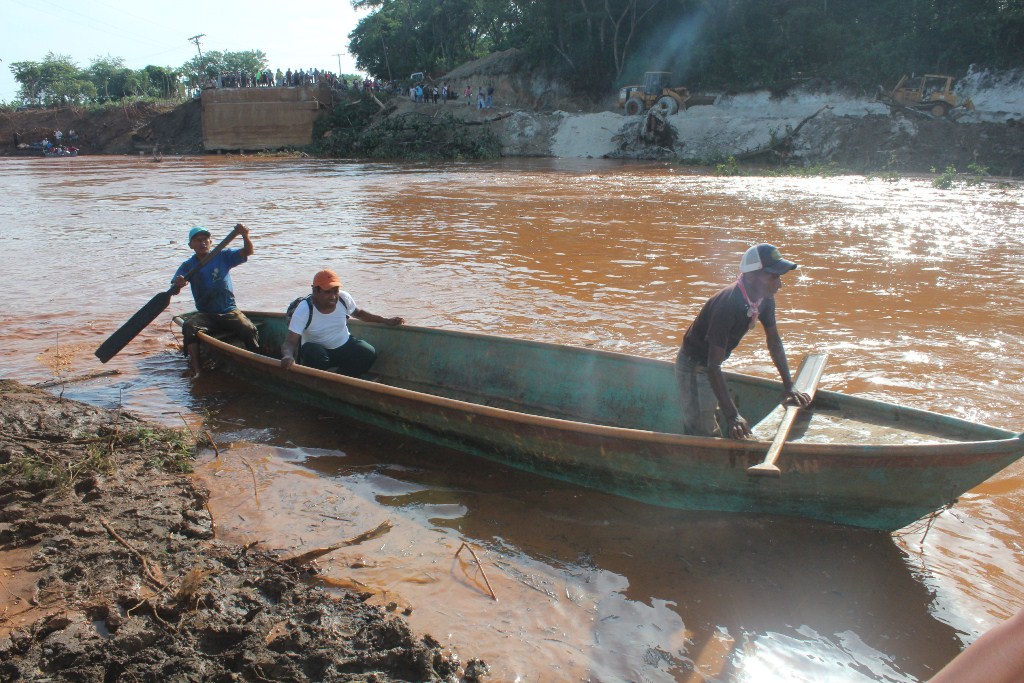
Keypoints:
pixel 717 330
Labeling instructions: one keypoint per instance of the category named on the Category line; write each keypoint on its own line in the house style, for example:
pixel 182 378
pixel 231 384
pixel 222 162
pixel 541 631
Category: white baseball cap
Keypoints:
pixel 767 258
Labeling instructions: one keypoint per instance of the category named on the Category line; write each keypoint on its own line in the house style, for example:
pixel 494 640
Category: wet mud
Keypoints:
pixel 114 571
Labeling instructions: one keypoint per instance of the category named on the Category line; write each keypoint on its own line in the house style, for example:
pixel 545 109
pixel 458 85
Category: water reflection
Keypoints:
pixel 589 585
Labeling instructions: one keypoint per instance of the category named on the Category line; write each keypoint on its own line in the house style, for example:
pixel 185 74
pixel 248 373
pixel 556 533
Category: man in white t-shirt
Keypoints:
pixel 321 333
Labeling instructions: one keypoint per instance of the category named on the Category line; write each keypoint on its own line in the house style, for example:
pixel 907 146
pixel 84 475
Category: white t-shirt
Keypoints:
pixel 330 330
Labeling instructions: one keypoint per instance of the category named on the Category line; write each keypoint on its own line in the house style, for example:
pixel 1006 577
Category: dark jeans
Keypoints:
pixel 234 322
pixel 353 358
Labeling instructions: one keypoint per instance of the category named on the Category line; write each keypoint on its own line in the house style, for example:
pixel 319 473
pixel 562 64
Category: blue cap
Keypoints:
pixel 198 230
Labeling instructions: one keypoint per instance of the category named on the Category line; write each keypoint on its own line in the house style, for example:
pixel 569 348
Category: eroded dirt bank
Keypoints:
pixel 113 571
pixel 127 129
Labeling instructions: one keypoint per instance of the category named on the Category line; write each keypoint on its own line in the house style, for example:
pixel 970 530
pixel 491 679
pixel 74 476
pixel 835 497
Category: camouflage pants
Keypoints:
pixel 234 322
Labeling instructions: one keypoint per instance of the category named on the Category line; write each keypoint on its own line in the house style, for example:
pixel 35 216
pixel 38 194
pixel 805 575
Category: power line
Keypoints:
pixel 83 19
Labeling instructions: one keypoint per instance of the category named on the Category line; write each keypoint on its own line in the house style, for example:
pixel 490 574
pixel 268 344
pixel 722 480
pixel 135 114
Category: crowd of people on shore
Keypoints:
pixel 269 78
pixel 444 93
pixel 417 92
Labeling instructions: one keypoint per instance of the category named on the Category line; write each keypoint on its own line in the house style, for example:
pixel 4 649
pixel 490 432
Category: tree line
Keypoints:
pixel 597 45
pixel 58 80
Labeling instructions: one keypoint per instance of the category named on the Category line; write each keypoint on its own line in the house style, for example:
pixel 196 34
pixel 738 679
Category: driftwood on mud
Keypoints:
pixel 479 566
pixel 209 438
pixel 783 143
pixel 76 378
pixel 481 122
pixel 255 487
pixel 310 555
pixel 146 569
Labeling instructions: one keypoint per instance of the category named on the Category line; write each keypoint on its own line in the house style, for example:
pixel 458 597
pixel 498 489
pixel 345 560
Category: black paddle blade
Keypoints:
pixel 137 323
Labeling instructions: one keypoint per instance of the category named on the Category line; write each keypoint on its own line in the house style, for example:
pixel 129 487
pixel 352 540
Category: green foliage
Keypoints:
pixel 337 132
pixel 890 172
pixel 53 82
pixel 165 449
pixel 946 179
pixel 732 167
pixel 169 450
pixel 590 40
pixel 114 81
pixel 729 167
pixel 978 173
pixel 751 42
pixel 196 70
pixel 351 132
pixel 828 170
pixel 406 36
pixel 600 44
pixel 58 81
pixel 164 82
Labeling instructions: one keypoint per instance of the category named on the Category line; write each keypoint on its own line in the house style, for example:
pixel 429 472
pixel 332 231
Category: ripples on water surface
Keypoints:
pixel 914 292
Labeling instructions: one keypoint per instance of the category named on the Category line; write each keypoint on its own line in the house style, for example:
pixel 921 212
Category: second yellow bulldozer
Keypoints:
pixel 930 93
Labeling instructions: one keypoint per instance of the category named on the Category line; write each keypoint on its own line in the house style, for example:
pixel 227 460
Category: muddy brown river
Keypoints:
pixel 916 293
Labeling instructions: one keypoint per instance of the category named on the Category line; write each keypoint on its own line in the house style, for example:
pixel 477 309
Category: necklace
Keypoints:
pixel 753 307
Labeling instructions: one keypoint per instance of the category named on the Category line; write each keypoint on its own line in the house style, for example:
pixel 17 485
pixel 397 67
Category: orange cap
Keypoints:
pixel 326 279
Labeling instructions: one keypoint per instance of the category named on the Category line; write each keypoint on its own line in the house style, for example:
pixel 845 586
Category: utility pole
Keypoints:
pixel 195 39
pixel 338 55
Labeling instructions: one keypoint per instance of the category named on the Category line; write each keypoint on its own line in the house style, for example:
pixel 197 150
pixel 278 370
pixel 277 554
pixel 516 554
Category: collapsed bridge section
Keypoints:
pixel 261 118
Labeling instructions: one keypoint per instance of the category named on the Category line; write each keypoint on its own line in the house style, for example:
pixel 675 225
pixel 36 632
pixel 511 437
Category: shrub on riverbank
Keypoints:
pixel 353 131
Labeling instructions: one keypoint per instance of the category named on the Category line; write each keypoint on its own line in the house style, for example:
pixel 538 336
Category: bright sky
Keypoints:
pixel 298 35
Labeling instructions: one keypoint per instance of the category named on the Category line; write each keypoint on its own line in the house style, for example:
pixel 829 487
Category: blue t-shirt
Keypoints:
pixel 211 286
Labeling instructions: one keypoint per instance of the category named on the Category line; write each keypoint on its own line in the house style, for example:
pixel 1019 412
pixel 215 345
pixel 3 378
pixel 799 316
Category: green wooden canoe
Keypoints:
pixel 611 422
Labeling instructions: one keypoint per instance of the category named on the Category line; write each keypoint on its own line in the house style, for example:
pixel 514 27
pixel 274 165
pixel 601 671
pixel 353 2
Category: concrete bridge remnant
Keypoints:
pixel 261 118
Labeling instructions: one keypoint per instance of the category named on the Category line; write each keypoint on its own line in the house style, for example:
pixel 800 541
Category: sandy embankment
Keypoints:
pixel 838 125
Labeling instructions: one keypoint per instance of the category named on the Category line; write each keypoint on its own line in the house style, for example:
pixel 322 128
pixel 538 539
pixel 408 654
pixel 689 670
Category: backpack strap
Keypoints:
pixel 309 320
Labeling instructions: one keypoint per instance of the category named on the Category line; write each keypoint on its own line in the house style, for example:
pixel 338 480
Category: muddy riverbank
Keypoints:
pixel 808 124
pixel 113 570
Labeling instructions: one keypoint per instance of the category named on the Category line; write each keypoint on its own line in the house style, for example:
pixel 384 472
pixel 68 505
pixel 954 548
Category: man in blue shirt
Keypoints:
pixel 213 293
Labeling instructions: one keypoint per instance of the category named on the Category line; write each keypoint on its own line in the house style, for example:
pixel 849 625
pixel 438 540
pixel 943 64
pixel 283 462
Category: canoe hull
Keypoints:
pixel 879 487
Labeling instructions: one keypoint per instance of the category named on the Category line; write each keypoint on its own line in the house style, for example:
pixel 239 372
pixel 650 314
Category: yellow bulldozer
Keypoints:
pixel 656 94
pixel 930 93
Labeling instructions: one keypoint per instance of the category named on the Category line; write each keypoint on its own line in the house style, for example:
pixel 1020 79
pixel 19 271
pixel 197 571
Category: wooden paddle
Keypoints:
pixel 806 382
pixel 148 313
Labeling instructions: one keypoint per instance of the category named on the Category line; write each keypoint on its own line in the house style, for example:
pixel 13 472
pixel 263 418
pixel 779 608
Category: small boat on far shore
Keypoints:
pixel 61 152
pixel 612 422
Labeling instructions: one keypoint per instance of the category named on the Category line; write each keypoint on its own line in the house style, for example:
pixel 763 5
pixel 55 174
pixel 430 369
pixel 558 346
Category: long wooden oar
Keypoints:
pixel 806 382
pixel 148 313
